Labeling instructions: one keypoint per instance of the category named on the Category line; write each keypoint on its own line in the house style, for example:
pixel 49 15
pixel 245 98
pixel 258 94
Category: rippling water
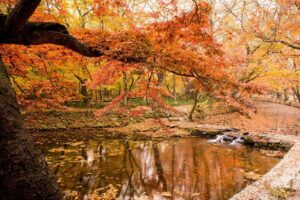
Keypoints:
pixel 189 168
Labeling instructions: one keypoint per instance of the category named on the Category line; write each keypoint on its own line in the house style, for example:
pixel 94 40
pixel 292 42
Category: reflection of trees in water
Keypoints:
pixel 145 174
pixel 182 169
pixel 159 168
pixel 129 164
pixel 215 173
pixel 187 169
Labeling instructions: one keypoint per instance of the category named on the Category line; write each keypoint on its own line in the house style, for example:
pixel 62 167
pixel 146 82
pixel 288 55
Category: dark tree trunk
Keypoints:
pixel 24 174
pixel 296 91
pixel 83 89
pixel 196 99
pixel 161 75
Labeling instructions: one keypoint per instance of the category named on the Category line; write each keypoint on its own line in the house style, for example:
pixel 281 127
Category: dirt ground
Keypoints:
pixel 270 118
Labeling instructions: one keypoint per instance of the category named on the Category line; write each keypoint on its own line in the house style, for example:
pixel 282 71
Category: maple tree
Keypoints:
pixel 224 50
pixel 263 36
pixel 177 44
pixel 176 40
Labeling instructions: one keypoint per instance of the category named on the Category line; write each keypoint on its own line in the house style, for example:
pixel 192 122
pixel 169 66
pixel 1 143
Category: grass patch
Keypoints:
pixel 180 101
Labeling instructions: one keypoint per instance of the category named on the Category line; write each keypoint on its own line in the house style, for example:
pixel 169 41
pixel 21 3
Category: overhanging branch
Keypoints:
pixel 36 33
pixel 66 40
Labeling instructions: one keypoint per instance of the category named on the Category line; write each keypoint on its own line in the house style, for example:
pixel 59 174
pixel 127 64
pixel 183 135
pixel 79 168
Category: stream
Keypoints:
pixel 176 168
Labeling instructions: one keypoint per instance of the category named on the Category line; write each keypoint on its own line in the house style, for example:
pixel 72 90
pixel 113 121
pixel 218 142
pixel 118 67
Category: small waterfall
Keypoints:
pixel 219 139
pixel 238 140
pixel 228 139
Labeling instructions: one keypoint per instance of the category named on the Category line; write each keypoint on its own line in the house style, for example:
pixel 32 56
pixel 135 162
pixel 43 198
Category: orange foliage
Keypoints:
pixel 182 43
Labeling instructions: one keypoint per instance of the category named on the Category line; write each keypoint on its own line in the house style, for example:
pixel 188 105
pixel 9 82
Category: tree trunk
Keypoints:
pixel 83 89
pixel 84 93
pixel 174 88
pixel 196 99
pixel 285 95
pixel 101 96
pixel 161 75
pixel 24 174
pixel 147 88
pixel 125 88
pixel 296 91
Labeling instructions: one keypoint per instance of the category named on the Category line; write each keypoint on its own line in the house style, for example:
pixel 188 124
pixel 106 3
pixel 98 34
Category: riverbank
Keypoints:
pixel 274 127
pixel 270 118
pixel 281 182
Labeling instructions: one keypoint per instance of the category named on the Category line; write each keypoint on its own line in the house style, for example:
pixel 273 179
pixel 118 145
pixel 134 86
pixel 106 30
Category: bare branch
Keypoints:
pixel 293 46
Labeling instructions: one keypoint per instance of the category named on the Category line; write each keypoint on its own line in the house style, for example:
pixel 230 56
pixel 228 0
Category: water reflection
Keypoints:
pixel 170 169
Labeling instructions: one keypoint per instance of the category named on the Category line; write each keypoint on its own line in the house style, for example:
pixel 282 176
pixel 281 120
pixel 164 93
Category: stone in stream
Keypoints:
pixel 175 119
pixel 211 131
pixel 173 125
pixel 252 176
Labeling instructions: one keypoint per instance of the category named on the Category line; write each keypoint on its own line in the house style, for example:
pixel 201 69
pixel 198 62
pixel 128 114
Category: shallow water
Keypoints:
pixel 189 168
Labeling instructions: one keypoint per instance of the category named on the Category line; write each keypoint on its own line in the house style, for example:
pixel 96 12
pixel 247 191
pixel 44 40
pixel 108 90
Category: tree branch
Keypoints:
pixel 66 40
pixel 280 41
pixel 36 33
pixel 19 15
pixel 288 44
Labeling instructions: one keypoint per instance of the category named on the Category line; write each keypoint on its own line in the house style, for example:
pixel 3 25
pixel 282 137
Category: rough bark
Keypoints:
pixel 19 15
pixel 36 33
pixel 24 174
